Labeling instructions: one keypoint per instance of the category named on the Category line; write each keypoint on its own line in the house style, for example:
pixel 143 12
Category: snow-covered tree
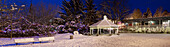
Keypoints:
pixel 73 15
pixel 17 24
pixel 73 10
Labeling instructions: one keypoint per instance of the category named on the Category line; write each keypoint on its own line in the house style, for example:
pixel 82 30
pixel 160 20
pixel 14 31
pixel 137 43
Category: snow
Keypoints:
pixel 123 40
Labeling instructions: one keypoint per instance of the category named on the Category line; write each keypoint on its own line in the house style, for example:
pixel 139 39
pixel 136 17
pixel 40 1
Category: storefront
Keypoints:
pixel 157 21
pixel 166 23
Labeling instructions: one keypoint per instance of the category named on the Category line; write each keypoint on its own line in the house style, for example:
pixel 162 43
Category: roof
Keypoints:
pixel 104 23
pixel 148 19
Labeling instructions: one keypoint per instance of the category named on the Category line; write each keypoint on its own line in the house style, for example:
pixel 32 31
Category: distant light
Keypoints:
pixel 22 5
pixel 15 8
pixel 123 24
pixel 12 8
pixel 12 5
pixel 151 21
pixel 126 23
pixel 135 22
pixel 15 5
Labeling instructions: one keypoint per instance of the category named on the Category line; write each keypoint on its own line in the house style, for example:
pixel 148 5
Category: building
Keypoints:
pixel 155 24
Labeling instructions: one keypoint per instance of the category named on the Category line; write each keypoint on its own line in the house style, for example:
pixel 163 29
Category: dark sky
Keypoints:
pixel 152 4
pixel 141 4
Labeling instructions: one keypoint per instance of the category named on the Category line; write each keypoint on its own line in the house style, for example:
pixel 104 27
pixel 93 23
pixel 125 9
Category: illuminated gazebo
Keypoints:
pixel 104 24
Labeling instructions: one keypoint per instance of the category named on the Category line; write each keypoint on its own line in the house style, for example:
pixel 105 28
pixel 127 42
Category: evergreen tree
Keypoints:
pixel 73 15
pixel 73 10
pixel 91 14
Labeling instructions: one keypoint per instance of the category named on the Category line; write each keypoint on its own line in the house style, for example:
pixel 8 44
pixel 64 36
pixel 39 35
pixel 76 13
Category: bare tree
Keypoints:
pixel 9 15
pixel 147 14
pixel 46 14
pixel 158 12
pixel 2 15
pixel 137 14
pixel 42 14
pixel 115 9
pixel 165 13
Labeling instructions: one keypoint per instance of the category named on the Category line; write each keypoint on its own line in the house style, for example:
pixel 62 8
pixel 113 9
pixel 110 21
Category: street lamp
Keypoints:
pixel 13 8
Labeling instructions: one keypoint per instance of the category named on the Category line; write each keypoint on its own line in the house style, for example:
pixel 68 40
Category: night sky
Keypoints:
pixel 141 4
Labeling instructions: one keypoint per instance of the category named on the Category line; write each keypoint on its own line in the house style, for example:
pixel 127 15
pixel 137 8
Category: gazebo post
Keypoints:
pixel 100 31
pixel 92 30
pixel 116 31
pixel 97 31
pixel 110 31
pixel 159 23
pixel 140 24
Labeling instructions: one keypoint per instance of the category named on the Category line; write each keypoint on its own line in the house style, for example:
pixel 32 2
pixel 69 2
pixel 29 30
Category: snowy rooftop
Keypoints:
pixel 104 23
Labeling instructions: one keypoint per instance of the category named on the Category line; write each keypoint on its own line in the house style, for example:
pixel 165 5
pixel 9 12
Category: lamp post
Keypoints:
pixel 11 15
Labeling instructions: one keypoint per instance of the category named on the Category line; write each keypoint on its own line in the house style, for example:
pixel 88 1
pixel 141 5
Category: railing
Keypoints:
pixel 146 26
pixel 151 28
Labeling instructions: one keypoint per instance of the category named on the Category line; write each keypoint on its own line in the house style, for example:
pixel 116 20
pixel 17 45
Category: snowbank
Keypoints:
pixel 123 40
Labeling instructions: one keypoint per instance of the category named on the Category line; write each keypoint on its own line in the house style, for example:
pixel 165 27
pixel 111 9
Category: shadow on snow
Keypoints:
pixel 24 43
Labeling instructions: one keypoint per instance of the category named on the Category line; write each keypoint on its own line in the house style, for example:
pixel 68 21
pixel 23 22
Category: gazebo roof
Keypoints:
pixel 105 23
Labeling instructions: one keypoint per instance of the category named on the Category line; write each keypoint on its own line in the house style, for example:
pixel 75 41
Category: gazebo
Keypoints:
pixel 104 24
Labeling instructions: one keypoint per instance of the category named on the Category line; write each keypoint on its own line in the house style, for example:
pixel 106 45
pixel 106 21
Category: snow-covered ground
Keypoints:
pixel 123 40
